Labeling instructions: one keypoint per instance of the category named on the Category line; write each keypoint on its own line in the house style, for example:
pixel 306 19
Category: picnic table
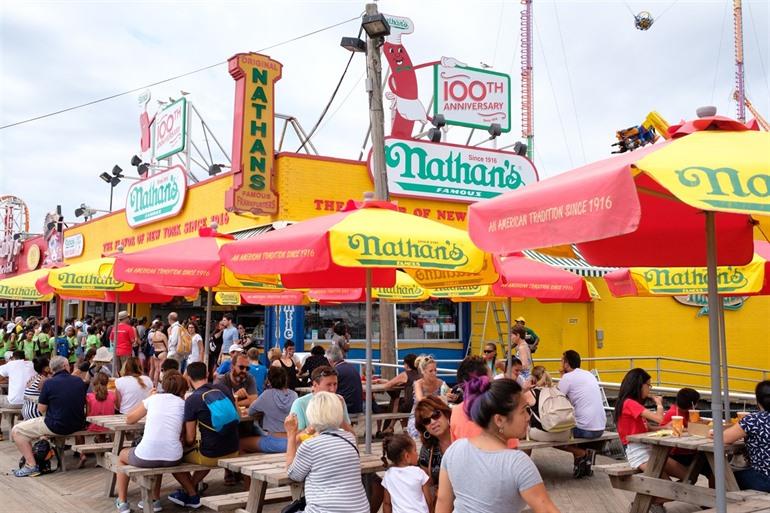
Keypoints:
pixel 118 424
pixel 652 484
pixel 269 471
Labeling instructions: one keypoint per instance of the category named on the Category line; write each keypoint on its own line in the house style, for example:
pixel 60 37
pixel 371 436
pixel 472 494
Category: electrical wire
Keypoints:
pixel 331 99
pixel 759 47
pixel 719 53
pixel 553 93
pixel 204 68
pixel 569 82
pixel 659 16
pixel 342 103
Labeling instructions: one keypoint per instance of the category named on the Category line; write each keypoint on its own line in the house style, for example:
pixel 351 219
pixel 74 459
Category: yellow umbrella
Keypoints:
pixel 22 287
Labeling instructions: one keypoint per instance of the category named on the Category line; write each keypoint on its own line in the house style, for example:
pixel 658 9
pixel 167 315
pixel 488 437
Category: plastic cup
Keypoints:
pixel 677 425
pixel 739 415
pixel 694 416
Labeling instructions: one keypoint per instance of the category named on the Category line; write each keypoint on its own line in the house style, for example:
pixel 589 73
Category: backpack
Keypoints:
pixel 532 342
pixel 184 346
pixel 555 413
pixel 221 408
pixel 44 454
pixel 62 347
pixel 147 348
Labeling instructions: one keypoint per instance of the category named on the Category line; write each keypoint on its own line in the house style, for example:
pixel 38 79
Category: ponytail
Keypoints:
pixel 484 398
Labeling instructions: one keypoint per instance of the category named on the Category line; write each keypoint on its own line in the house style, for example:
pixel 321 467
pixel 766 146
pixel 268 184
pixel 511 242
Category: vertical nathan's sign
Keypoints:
pixel 253 133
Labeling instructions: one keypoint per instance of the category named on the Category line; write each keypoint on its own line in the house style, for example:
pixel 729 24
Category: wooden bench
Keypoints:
pixel 361 417
pixel 60 442
pixel 617 469
pixel 9 415
pixel 527 445
pixel 95 448
pixel 238 500
pixel 146 478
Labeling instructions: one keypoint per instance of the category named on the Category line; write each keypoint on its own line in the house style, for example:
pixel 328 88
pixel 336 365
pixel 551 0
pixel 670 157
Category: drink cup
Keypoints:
pixel 677 425
pixel 740 415
pixel 694 416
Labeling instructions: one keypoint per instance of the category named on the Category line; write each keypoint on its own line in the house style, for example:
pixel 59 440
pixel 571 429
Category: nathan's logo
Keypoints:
pixel 157 197
pixel 469 291
pixel 72 281
pixel 452 172
pixel 253 147
pixel 728 188
pixel 406 252
pixel 401 291
pixel 729 279
pixel 701 301
pixel 19 293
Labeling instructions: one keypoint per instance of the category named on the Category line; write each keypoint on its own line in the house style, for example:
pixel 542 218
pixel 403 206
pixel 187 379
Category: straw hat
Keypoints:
pixel 122 315
pixel 102 355
pixel 521 319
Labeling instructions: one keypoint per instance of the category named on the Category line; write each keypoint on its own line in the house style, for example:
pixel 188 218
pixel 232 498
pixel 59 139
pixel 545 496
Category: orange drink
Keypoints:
pixel 694 416
pixel 677 425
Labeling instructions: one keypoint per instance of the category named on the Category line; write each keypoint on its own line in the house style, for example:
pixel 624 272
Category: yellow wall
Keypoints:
pixel 647 327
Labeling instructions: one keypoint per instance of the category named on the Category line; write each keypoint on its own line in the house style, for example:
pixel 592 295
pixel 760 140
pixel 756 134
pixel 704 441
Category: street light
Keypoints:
pixel 375 25
pixel 86 212
pixel 353 44
pixel 113 180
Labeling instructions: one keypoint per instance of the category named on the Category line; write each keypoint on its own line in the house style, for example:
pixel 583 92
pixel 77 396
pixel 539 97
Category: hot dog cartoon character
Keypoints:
pixel 406 107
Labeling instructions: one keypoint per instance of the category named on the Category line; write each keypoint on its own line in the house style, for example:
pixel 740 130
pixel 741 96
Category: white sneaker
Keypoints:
pixel 123 507
pixel 156 506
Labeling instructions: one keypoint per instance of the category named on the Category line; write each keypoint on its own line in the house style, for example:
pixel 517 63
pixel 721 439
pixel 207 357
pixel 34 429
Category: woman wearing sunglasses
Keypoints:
pixel 490 357
pixel 480 474
pixel 431 417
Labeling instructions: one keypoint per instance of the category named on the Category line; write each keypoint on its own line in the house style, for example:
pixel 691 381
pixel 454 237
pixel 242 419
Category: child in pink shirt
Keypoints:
pixel 99 402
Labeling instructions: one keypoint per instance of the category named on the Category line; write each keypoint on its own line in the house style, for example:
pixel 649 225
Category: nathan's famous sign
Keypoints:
pixel 253 134
pixel 452 172
pixel 156 197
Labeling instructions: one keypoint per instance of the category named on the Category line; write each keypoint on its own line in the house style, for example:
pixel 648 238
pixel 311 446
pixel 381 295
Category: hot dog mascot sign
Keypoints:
pixel 473 98
pixel 253 134
pixel 406 107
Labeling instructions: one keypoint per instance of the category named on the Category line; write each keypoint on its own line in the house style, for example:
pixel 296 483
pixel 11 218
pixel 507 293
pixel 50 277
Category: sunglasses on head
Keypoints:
pixel 433 416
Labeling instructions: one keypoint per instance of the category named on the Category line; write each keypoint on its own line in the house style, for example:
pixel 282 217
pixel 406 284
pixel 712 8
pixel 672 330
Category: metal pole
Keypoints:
pixel 723 349
pixel 207 330
pixel 115 370
pixel 509 367
pixel 716 399
pixel 368 411
pixel 112 189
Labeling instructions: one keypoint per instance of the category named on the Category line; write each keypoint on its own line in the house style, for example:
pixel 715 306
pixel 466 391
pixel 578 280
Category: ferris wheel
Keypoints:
pixel 14 217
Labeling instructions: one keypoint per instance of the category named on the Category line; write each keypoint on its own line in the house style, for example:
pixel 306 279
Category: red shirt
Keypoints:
pixel 460 426
pixel 95 407
pixel 126 335
pixel 631 421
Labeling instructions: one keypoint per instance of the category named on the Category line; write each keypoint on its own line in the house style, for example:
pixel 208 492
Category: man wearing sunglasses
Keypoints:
pixel 323 379
pixel 239 381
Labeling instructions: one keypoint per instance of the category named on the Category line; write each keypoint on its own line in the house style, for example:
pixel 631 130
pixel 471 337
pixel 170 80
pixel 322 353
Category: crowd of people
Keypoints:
pixel 454 453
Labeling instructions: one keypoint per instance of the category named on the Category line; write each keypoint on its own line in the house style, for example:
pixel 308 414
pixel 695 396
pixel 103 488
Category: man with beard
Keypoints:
pixel 239 381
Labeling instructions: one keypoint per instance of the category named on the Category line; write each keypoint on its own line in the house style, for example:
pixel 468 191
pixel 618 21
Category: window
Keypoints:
pixel 430 320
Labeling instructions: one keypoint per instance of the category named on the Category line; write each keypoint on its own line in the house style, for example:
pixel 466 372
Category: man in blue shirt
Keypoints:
pixel 62 401
pixel 229 336
pixel 256 369
pixel 348 379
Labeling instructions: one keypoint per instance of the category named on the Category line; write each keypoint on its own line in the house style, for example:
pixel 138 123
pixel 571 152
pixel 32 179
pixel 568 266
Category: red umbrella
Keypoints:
pixel 523 277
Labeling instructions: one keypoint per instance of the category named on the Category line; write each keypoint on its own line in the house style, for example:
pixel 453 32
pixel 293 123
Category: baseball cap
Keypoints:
pixel 78 324
pixel 236 348
pixel 521 319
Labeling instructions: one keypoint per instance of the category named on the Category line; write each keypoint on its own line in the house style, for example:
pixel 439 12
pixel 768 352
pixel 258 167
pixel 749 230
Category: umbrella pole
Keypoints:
pixel 723 354
pixel 508 367
pixel 115 370
pixel 714 349
pixel 368 414
pixel 207 329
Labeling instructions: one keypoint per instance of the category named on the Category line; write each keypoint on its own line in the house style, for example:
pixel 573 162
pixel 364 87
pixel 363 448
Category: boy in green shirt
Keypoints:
pixel 72 342
pixel 29 345
pixel 92 340
pixel 43 339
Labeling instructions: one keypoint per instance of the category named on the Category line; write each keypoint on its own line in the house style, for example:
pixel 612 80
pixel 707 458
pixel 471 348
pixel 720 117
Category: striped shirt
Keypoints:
pixel 331 469
pixel 31 395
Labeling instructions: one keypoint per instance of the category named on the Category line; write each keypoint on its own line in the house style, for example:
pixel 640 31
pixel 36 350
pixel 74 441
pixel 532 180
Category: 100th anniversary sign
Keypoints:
pixel 451 172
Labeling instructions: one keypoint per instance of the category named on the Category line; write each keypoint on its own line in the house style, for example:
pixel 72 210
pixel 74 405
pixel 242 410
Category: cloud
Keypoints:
pixel 55 55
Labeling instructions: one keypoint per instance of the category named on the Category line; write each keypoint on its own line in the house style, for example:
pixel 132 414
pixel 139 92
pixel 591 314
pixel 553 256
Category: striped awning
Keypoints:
pixel 576 265
pixel 252 232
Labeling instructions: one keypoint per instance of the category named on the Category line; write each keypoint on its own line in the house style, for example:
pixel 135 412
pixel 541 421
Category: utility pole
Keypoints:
pixel 377 122
pixel 739 76
pixel 527 94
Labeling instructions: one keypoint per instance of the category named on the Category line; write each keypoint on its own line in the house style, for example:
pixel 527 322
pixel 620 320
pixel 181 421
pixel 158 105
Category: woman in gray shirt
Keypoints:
pixel 274 404
pixel 480 474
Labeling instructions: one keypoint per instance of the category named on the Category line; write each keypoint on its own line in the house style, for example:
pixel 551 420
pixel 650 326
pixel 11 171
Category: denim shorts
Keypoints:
pixel 583 433
pixel 272 444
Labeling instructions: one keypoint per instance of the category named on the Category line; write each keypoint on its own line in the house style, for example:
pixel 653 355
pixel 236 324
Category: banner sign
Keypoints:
pixel 73 245
pixel 228 298
pixel 472 97
pixel 156 197
pixel 451 172
pixel 253 134
pixel 171 129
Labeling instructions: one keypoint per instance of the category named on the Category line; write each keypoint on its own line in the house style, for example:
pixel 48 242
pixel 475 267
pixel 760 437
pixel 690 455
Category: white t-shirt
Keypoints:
pixel 131 393
pixel 173 338
pixel 18 373
pixel 195 355
pixel 404 484
pixel 161 438
pixel 582 390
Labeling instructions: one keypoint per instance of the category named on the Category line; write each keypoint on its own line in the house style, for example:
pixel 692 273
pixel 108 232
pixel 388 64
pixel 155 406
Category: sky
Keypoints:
pixel 594 73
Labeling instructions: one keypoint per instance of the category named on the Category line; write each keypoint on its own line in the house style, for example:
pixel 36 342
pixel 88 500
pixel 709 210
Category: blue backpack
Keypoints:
pixel 62 347
pixel 222 409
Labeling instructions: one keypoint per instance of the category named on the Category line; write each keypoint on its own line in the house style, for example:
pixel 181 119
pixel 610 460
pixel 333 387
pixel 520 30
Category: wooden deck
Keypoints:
pixel 83 490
